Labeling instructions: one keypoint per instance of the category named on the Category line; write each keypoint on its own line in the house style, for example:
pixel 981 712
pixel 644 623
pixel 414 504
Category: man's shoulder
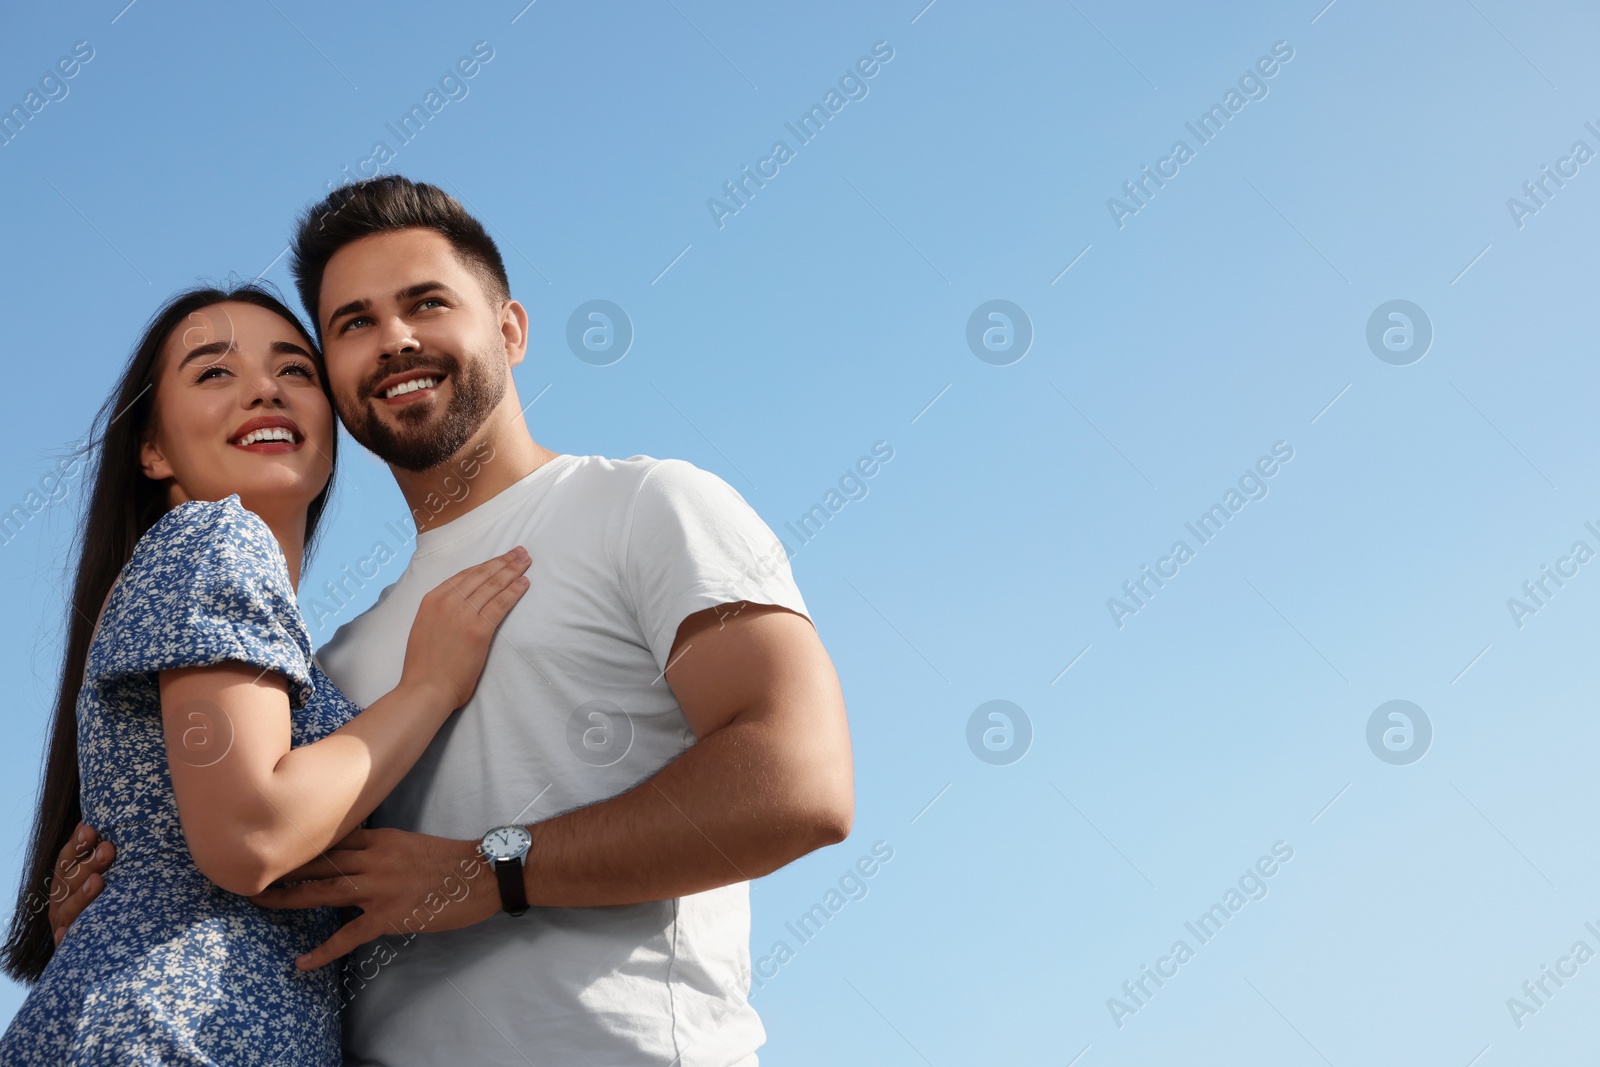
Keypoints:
pixel 626 473
pixel 598 479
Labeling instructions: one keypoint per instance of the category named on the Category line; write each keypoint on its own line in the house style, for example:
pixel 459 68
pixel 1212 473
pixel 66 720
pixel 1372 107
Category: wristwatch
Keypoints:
pixel 504 847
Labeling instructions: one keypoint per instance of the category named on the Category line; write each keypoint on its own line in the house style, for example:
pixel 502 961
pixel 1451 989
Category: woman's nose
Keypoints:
pixel 266 390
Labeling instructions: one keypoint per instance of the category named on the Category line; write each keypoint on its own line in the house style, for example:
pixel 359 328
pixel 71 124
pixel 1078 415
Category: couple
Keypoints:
pixel 538 773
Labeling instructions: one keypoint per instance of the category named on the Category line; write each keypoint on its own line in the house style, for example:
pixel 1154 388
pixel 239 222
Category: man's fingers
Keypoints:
pixel 78 849
pixel 64 913
pixel 351 935
pixel 77 879
pixel 326 892
pixel 335 864
pixel 90 862
pixel 344 858
pixel 360 837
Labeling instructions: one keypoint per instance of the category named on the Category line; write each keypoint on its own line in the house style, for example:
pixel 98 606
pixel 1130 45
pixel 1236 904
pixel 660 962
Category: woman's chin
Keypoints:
pixel 279 496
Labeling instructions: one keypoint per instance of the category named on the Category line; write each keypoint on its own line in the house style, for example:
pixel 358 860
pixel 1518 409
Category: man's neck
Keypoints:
pixel 498 456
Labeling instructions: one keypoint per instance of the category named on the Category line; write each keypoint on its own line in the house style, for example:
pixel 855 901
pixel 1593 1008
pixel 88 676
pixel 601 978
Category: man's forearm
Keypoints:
pixel 744 801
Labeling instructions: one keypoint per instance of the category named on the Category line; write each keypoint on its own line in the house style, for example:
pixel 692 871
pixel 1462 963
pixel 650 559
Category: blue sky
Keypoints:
pixel 1172 348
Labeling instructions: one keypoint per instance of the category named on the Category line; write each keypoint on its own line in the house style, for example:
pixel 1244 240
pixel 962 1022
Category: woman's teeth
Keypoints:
pixel 410 387
pixel 270 433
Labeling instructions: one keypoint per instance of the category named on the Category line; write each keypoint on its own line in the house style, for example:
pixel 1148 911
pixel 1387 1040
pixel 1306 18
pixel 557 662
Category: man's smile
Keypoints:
pixel 401 389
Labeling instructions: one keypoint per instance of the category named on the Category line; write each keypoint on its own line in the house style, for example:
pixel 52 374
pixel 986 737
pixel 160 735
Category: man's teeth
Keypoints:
pixel 410 387
pixel 269 433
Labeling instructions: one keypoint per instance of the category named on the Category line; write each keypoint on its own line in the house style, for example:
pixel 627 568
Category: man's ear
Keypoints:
pixel 153 462
pixel 514 331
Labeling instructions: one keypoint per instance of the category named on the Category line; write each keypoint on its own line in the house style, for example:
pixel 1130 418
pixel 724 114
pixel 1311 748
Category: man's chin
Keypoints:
pixel 426 431
pixel 415 444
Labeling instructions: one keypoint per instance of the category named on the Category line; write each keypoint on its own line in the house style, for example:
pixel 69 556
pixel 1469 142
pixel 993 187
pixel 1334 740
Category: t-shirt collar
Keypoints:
pixel 509 498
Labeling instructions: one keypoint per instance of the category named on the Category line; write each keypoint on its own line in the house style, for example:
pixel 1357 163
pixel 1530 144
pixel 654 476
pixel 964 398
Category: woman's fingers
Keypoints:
pixel 496 586
pixel 467 582
pixel 499 605
pixel 456 622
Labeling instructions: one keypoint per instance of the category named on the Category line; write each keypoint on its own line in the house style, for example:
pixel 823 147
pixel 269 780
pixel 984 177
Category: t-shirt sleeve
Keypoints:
pixel 692 544
pixel 207 584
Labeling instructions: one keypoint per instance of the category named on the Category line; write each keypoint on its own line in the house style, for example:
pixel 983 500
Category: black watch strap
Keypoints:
pixel 513 895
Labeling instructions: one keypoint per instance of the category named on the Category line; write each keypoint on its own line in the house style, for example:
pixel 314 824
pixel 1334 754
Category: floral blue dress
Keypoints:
pixel 165 967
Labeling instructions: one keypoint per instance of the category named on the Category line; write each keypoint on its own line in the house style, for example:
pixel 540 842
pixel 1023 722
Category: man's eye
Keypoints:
pixel 348 325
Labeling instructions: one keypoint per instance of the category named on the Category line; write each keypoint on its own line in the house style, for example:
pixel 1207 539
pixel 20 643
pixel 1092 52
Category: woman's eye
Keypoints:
pixel 300 368
pixel 209 371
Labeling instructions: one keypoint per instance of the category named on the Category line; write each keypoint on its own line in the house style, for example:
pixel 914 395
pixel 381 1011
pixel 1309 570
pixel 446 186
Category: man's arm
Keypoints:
pixel 768 780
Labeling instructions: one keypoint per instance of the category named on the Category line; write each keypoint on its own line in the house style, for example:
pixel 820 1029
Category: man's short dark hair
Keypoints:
pixel 382 205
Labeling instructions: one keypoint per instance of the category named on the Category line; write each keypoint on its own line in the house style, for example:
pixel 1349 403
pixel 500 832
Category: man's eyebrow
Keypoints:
pixel 342 310
pixel 410 292
pixel 213 348
pixel 414 291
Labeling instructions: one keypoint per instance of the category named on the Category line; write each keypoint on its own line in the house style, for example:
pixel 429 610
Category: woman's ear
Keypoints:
pixel 153 462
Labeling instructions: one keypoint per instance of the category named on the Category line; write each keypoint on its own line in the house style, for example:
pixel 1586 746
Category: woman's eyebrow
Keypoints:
pixel 213 348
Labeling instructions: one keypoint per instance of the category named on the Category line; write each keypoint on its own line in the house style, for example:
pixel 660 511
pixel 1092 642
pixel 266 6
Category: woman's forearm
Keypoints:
pixel 263 807
pixel 323 790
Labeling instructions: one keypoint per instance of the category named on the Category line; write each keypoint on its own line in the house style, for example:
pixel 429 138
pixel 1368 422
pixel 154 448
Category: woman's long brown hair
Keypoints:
pixel 120 508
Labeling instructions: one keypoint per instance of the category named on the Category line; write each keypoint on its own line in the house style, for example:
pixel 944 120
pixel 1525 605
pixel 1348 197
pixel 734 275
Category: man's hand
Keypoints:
pixel 768 779
pixel 403 883
pixel 78 877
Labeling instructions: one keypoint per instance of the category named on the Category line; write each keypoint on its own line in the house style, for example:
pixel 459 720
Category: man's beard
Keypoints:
pixel 423 441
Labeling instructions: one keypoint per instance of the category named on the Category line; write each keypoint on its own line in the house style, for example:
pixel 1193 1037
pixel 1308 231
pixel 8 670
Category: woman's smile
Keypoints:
pixel 273 433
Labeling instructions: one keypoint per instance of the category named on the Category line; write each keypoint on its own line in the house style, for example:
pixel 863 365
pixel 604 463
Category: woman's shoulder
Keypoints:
pixel 203 553
pixel 197 532
pixel 204 520
pixel 207 582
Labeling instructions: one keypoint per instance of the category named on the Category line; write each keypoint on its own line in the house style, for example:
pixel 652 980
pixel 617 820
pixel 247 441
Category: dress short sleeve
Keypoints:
pixel 693 543
pixel 207 584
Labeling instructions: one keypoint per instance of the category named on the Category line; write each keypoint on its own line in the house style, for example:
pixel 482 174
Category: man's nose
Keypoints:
pixel 397 337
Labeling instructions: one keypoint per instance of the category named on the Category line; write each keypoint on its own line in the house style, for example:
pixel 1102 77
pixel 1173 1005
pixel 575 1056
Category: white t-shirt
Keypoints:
pixel 572 708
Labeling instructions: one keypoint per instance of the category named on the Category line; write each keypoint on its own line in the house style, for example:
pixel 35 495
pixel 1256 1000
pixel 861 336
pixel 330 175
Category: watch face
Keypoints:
pixel 506 842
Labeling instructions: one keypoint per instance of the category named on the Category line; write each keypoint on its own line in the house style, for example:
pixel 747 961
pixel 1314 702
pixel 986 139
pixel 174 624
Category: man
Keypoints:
pixel 657 722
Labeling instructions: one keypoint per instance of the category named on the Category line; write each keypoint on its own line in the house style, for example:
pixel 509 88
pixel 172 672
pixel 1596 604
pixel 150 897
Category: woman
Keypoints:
pixel 213 752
